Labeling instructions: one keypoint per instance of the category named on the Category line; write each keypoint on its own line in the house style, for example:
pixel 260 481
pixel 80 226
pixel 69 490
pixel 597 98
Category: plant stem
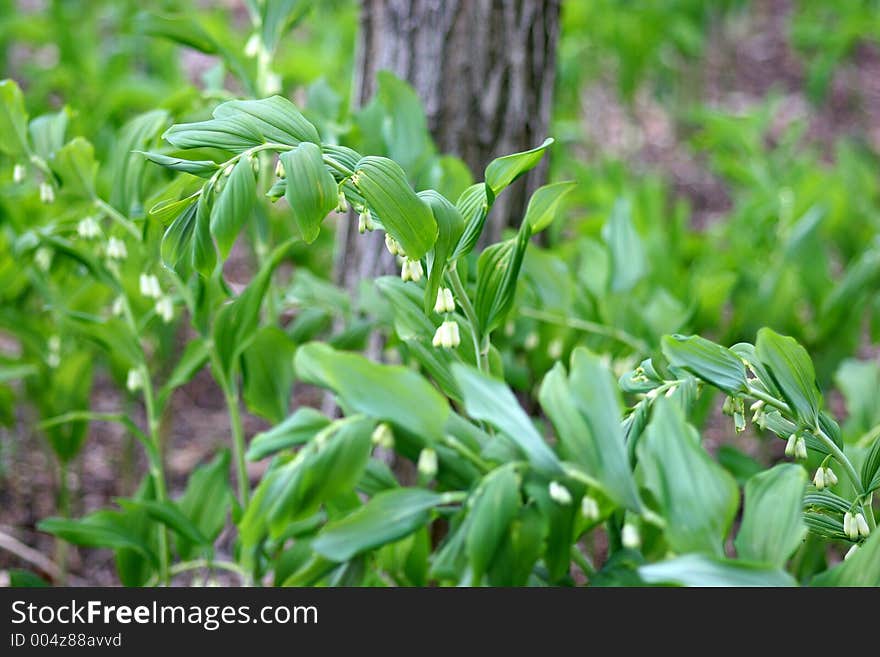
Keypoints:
pixel 64 508
pixel 344 170
pixel 239 447
pixel 117 216
pixel 829 444
pixel 588 327
pixel 154 443
pixel 465 303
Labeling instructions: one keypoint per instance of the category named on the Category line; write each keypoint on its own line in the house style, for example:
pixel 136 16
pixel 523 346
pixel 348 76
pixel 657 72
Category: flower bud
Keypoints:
pixel 590 508
pixel 411 270
pixel 630 538
pixel 862 526
pixel 279 170
pixel 118 307
pixel 819 479
pixel 800 449
pixel 531 341
pixel 852 550
pixel 447 335
pixel 273 83
pixel 554 349
pixel 427 463
pixel 53 358
pixel 850 528
pixel 149 285
pixel 47 193
pixel 134 381
pixel 252 47
pixel 830 477
pixel 559 493
pixel 392 245
pixel 341 203
pixel 18 174
pixel 88 228
pixel 165 309
pixel 445 302
pixel 383 436
pixel 43 258
pixel 791 445
pixel 116 249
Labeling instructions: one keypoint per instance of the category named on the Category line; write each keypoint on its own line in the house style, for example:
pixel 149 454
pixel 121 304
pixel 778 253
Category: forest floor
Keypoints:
pixel 742 66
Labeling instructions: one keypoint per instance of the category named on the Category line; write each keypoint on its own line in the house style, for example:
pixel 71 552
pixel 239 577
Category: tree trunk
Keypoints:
pixel 484 70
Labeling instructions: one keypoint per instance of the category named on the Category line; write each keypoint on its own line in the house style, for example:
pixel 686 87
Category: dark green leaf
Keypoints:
pixel 700 570
pixel 450 226
pixel 772 527
pixel 403 214
pixel 311 190
pixel 697 496
pixel 492 401
pixel 275 118
pixel 504 170
pixel 297 429
pixel 202 168
pixel 267 367
pixel 544 204
pixel 75 165
pixel 386 392
pixel 233 206
pixel 388 517
pixel 711 362
pixel 791 369
pixel 496 503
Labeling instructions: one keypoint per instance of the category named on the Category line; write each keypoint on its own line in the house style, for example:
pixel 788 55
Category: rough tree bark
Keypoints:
pixel 484 70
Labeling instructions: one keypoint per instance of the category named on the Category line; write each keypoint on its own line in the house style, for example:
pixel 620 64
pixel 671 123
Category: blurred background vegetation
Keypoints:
pixel 726 155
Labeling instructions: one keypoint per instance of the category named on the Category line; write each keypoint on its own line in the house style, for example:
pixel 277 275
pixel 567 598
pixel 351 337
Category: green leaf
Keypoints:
pixel 278 16
pixel 13 119
pixel 473 204
pixel 495 505
pixel 207 498
pixel 127 163
pixel 178 28
pixel 75 165
pixel 236 322
pixel 102 529
pixel 193 358
pixel 275 118
pixel 233 206
pixel 204 255
pixel 871 468
pixel 330 465
pixel 628 260
pixel 169 515
pixel 772 526
pixel 235 133
pixel 388 517
pixel 402 213
pixel 297 429
pixel 861 569
pixel 267 367
pixel 201 168
pixel 47 132
pixel 405 129
pixel 450 226
pixel 700 570
pixel 791 369
pixel 497 274
pixel 502 171
pixel 697 497
pixel 585 409
pixel 708 361
pixel 312 192
pixel 490 400
pixel 386 392
pixel 544 204
pixel 177 242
